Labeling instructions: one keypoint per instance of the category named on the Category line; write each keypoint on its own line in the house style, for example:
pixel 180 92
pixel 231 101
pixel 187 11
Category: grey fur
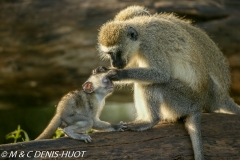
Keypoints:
pixel 78 111
pixel 176 69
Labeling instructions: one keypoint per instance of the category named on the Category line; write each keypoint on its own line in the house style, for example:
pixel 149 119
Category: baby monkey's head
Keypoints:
pixel 98 83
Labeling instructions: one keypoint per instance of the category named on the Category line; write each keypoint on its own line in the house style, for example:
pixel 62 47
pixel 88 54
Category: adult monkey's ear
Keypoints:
pixel 88 87
pixel 132 34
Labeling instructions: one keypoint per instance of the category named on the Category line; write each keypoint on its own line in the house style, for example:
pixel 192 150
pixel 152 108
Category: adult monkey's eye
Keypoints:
pixel 110 53
pixel 132 34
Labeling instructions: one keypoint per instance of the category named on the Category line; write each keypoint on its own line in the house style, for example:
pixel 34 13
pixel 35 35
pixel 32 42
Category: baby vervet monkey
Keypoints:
pixel 79 110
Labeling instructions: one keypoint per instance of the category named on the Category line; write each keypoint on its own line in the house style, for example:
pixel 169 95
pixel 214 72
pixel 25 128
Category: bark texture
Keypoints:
pixel 220 132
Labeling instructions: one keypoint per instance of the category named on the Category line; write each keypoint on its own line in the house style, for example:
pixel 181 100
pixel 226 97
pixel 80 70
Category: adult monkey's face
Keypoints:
pixel 116 42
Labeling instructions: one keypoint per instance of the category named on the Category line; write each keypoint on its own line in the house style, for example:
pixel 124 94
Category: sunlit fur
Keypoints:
pixel 176 69
pixel 111 34
pixel 131 12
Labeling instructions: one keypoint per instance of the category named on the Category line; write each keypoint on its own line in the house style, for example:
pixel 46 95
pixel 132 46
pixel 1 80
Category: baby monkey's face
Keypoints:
pixel 98 83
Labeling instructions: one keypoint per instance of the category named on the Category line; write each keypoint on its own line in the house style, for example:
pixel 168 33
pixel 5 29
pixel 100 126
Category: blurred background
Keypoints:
pixel 48 48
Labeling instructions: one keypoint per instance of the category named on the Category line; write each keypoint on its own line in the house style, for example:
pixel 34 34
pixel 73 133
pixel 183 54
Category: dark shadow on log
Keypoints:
pixel 220 132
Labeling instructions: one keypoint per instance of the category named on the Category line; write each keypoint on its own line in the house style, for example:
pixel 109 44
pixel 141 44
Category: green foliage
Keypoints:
pixel 58 133
pixel 90 131
pixel 17 134
pixel 20 133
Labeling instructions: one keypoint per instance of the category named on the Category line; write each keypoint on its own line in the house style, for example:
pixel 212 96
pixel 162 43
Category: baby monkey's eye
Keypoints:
pixel 106 80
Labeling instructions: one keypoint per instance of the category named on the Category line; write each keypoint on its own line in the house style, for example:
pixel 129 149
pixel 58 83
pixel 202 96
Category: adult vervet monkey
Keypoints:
pixel 176 69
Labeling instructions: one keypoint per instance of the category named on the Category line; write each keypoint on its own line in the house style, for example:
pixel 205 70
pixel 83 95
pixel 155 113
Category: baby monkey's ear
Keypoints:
pixel 88 87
